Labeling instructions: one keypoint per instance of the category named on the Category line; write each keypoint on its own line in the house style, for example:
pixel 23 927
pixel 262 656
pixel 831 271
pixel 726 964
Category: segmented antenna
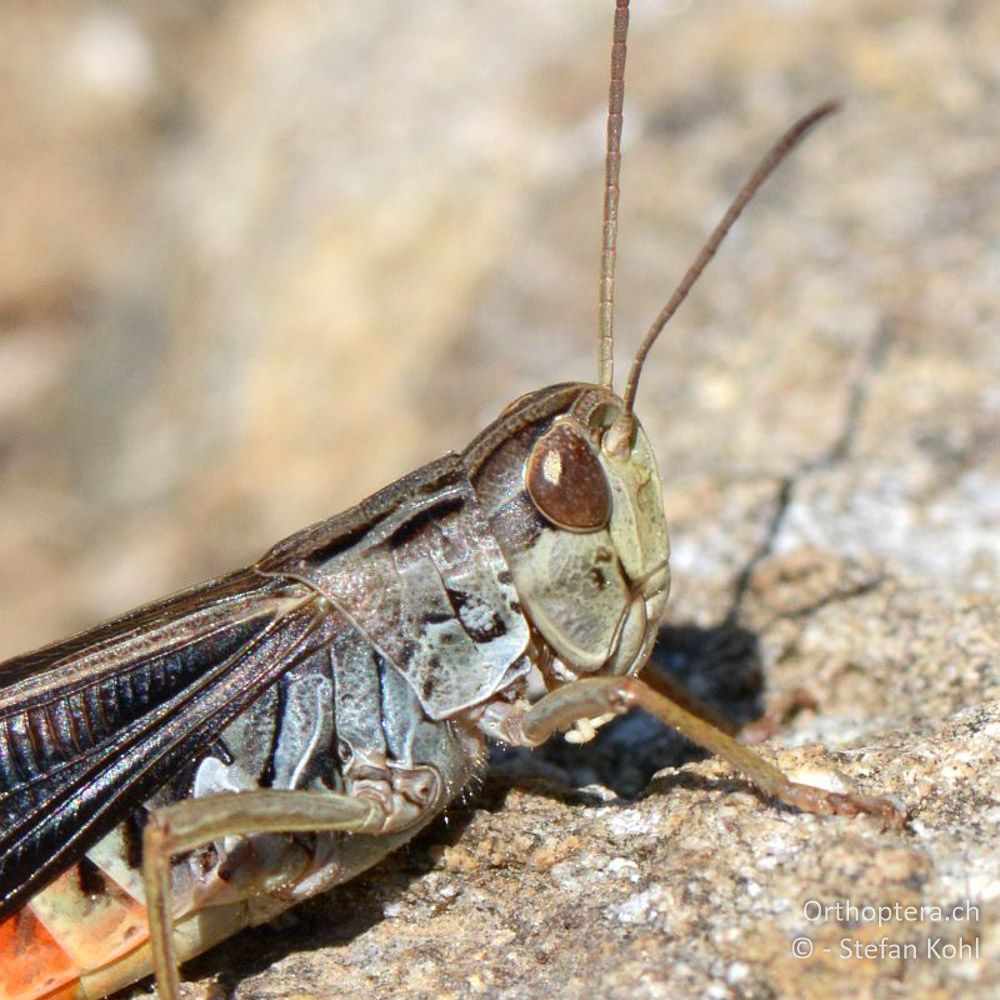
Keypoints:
pixel 778 152
pixel 612 166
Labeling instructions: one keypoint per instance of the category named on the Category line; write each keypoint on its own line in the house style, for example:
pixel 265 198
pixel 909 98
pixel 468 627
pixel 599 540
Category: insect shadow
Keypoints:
pixel 333 918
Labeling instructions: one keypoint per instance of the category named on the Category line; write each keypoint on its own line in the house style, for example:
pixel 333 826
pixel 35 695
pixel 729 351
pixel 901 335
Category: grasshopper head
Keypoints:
pixel 577 510
pixel 567 479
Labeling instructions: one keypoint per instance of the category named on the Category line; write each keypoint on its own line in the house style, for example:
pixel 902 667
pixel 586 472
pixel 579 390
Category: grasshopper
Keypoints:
pixel 207 761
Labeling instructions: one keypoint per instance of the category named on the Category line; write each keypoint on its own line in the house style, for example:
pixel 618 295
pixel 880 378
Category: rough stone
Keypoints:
pixel 259 260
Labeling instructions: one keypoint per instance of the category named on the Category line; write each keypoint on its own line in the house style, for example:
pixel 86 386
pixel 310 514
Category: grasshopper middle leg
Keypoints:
pixel 192 823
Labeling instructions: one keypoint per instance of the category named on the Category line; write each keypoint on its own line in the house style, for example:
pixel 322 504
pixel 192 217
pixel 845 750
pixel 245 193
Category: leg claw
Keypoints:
pixel 827 803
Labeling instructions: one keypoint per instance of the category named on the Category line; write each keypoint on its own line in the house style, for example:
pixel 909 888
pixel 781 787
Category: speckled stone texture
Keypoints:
pixel 259 259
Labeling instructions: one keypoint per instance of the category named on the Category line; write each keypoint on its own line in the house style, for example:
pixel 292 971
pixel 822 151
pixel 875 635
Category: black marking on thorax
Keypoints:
pixel 90 878
pixel 414 525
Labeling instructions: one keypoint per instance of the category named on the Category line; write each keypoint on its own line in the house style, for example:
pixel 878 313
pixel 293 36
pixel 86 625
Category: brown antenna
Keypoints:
pixel 612 166
pixel 778 152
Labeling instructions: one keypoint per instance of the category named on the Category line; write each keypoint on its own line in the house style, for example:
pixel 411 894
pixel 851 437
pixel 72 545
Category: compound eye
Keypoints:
pixel 565 480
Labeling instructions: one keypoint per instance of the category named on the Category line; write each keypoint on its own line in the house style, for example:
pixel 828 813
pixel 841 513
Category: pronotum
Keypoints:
pixel 204 762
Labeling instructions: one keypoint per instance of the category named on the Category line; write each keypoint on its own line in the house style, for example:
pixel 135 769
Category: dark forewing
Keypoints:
pixel 91 727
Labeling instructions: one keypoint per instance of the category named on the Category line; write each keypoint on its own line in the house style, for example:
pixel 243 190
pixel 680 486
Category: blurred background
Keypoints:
pixel 258 260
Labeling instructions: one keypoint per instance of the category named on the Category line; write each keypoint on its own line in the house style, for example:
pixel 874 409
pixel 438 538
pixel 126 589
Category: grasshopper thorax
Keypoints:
pixel 580 522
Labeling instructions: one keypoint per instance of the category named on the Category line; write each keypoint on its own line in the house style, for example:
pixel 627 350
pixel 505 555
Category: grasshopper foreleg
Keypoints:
pixel 595 696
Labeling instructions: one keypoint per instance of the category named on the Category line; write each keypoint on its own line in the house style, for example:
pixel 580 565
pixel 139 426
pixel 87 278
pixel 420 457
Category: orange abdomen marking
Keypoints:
pixel 91 916
pixel 82 922
pixel 33 965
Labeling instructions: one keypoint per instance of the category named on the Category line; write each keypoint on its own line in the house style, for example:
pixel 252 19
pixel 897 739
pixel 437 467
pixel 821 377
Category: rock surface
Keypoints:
pixel 259 260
